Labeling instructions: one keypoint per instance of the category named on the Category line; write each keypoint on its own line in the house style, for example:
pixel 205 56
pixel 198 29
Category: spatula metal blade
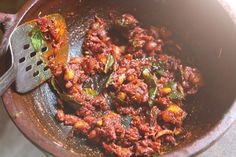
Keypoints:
pixel 32 65
pixel 32 70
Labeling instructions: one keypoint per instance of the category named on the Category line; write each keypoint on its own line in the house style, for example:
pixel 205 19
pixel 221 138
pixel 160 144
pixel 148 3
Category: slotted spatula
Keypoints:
pixel 31 64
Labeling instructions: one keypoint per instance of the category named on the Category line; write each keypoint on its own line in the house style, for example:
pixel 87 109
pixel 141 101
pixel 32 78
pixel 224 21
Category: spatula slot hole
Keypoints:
pixel 26 46
pixel 46 68
pixel 32 54
pixel 36 73
pixel 22 60
pixel 44 49
pixel 39 62
pixel 28 68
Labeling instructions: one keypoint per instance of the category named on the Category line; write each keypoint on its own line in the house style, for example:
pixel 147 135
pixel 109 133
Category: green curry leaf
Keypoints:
pixel 63 96
pixel 158 68
pixel 176 95
pixel 90 92
pixel 152 95
pixel 109 80
pixel 109 63
pixel 37 39
pixel 150 80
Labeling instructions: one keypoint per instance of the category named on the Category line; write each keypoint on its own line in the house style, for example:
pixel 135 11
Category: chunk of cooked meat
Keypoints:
pixel 97 40
pixel 126 21
pixel 126 89
pixel 136 91
pixel 118 150
pixel 191 79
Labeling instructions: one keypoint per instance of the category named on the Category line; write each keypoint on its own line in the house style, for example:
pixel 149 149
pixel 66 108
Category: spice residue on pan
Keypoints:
pixel 127 91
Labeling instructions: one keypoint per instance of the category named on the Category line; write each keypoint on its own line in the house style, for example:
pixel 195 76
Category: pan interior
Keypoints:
pixel 205 30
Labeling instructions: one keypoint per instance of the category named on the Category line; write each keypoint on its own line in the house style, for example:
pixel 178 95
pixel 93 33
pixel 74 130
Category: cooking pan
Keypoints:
pixel 204 27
